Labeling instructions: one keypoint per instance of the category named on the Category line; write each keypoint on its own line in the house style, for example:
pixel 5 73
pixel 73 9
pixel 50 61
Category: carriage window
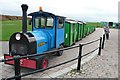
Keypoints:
pixel 49 22
pixel 39 22
pixel 60 23
pixel 43 22
pixel 36 23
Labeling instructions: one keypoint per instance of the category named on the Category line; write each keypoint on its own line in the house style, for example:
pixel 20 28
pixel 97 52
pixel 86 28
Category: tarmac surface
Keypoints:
pixel 104 66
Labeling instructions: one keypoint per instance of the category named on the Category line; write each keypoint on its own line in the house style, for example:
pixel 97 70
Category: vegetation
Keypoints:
pixel 9 27
pixel 96 24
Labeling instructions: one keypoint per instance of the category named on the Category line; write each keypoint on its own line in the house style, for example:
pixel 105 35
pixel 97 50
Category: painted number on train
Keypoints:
pixel 41 43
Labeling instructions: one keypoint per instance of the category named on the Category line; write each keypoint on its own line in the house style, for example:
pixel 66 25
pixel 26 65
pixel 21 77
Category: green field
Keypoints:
pixel 9 27
pixel 96 24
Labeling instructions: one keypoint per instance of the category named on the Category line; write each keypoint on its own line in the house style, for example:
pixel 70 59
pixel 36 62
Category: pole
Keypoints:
pixel 99 52
pixel 80 56
pixel 17 68
pixel 103 41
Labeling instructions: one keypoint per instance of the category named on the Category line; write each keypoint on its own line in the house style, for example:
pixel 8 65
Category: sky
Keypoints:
pixel 83 10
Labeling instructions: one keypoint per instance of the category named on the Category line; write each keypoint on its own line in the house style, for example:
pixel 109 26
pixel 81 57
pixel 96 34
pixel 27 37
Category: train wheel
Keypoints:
pixel 44 63
pixel 59 53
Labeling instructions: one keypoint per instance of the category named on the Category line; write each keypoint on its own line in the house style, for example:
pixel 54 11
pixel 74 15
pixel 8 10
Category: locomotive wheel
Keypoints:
pixel 43 63
pixel 59 53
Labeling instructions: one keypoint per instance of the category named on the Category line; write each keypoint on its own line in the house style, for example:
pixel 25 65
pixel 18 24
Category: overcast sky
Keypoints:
pixel 84 10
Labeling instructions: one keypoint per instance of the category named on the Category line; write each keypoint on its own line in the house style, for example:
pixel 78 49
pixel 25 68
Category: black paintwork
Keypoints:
pixel 24 18
pixel 26 39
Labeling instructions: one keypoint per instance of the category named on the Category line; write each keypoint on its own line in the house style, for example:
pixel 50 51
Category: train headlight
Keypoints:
pixel 18 36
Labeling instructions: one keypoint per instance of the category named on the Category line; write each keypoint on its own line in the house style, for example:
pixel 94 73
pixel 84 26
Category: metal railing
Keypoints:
pixel 17 59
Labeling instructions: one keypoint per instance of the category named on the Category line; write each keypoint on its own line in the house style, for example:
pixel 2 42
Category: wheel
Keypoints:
pixel 42 63
pixel 59 53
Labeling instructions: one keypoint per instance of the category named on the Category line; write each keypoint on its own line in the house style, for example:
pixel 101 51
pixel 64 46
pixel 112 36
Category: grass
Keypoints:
pixel 96 24
pixel 9 27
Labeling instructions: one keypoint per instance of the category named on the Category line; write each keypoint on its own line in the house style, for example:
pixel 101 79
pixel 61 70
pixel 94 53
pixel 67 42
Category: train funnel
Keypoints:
pixel 24 17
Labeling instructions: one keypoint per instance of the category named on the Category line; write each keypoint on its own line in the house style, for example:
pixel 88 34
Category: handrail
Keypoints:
pixel 17 59
pixel 40 70
pixel 90 42
pixel 33 55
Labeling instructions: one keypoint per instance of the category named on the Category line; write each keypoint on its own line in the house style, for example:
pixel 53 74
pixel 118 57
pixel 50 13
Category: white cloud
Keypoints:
pixel 96 10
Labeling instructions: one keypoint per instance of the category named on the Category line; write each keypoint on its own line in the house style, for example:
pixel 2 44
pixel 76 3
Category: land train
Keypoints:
pixel 49 31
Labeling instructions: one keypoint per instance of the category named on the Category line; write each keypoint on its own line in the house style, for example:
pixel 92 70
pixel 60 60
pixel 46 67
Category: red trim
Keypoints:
pixel 45 63
pixel 8 62
pixel 28 63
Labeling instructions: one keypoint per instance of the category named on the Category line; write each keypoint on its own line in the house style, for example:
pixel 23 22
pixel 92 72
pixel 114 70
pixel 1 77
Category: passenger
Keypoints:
pixel 106 30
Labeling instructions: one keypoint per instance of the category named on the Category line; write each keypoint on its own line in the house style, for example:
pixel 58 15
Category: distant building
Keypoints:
pixel 111 24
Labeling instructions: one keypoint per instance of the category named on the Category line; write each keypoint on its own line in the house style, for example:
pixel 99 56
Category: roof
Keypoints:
pixel 70 21
pixel 43 13
pixel 80 22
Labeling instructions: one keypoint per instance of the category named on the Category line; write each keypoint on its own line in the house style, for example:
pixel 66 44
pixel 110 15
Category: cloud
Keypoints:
pixel 90 10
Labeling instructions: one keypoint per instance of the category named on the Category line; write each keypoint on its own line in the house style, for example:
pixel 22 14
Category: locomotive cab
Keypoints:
pixel 51 24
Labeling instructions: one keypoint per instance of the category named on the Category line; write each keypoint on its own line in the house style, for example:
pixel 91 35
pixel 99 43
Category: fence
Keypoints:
pixel 17 59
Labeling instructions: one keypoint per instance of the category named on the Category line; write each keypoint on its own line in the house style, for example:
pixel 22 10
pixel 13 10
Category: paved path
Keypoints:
pixel 8 70
pixel 4 47
pixel 104 66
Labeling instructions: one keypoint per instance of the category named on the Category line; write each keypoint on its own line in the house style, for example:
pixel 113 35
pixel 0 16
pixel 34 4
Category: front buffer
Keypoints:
pixel 34 63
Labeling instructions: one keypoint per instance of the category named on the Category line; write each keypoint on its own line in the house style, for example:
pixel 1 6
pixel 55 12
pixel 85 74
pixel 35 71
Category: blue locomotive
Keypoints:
pixel 47 33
